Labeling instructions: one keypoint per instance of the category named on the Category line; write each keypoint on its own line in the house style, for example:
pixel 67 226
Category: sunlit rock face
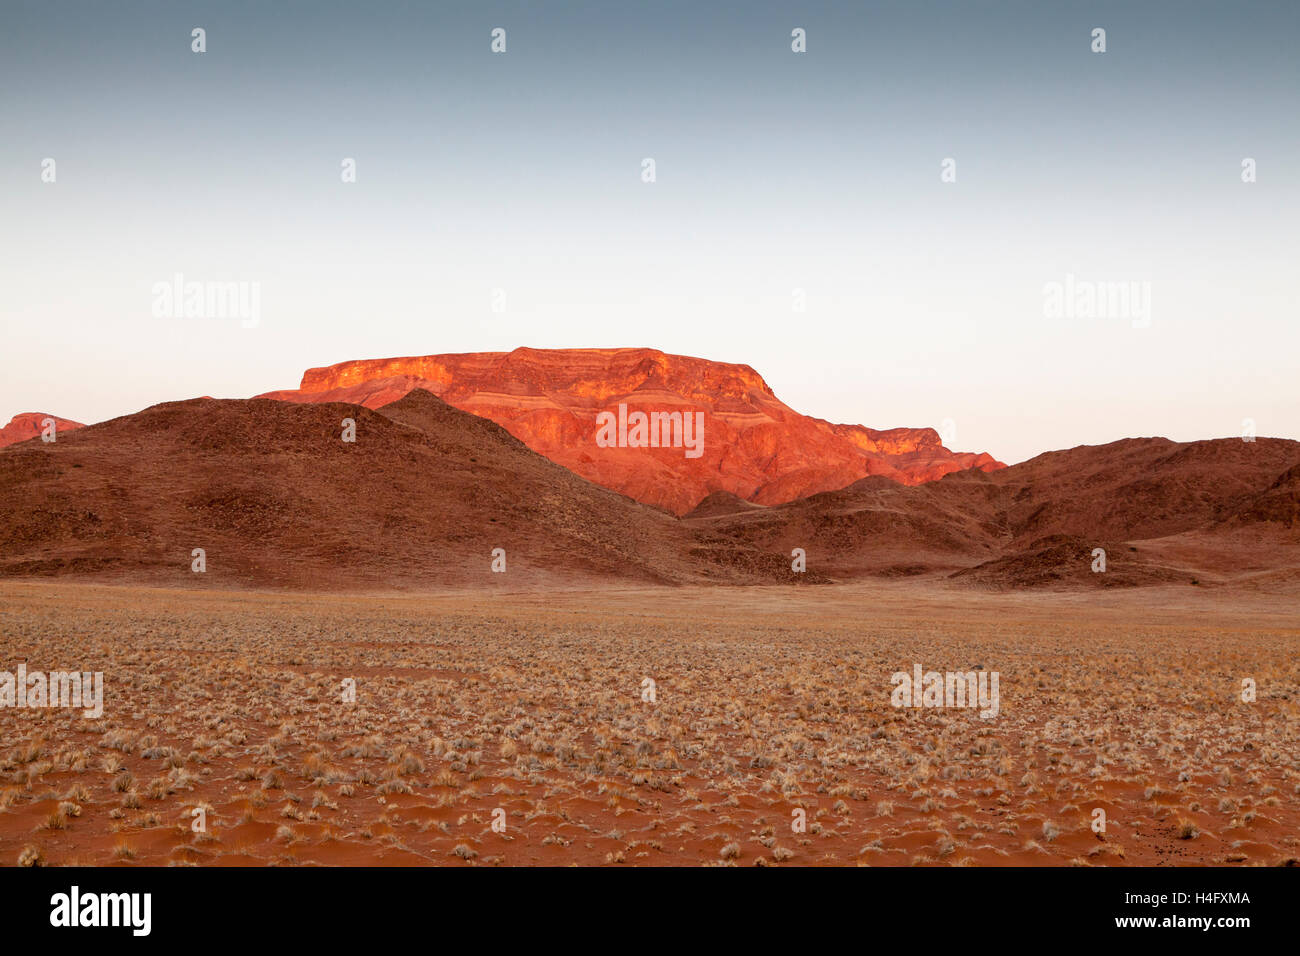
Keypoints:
pixel 746 440
pixel 30 425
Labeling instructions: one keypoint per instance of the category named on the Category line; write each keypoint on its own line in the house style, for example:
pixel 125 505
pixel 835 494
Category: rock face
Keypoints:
pixel 753 444
pixel 29 425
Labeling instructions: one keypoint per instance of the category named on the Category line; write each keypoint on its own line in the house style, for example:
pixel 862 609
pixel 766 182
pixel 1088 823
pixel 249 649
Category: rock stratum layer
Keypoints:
pixel 754 445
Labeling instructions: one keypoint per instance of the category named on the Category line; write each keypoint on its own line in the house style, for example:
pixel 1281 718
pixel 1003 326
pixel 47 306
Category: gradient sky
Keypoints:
pixel 775 171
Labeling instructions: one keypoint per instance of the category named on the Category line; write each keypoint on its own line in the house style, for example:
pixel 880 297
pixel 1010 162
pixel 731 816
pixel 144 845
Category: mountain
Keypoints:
pixel 1217 511
pixel 276 498
pixel 754 446
pixel 31 425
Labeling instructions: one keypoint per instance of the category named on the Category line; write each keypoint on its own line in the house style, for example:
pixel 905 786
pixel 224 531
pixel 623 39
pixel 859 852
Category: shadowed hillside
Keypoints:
pixel 275 497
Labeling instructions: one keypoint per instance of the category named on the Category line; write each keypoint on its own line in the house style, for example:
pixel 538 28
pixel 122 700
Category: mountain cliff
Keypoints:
pixel 751 444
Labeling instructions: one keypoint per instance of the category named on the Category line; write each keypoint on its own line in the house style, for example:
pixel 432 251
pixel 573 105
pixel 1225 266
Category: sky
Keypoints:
pixel 799 220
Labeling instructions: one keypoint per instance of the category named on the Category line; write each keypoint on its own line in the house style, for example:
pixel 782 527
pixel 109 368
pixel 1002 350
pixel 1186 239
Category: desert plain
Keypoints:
pixel 515 727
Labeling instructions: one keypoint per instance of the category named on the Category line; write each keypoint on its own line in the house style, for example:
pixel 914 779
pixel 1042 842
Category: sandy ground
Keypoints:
pixel 512 728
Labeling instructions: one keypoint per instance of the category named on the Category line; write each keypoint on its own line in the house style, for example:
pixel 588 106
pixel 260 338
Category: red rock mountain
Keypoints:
pixel 754 445
pixel 276 498
pixel 421 499
pixel 28 425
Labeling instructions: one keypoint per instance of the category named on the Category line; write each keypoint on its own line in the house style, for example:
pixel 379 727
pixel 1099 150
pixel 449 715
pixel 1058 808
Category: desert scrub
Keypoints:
pixel 31 856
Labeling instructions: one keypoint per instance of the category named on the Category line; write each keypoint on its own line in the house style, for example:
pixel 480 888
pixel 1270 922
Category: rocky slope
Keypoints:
pixel 426 492
pixel 275 497
pixel 1210 511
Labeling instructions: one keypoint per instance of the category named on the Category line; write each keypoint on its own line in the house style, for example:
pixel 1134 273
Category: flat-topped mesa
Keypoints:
pixel 592 373
pixel 31 425
pixel 555 401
